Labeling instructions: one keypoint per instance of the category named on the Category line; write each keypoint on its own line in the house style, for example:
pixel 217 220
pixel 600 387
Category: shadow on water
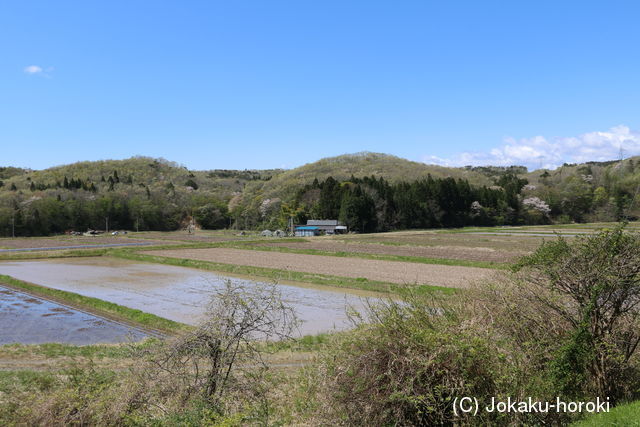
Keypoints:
pixel 29 320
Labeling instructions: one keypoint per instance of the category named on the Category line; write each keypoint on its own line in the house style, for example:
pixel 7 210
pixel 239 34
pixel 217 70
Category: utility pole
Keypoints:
pixel 13 224
pixel 106 223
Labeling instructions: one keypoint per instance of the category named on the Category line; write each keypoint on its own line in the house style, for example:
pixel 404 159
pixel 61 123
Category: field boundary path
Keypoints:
pixel 95 246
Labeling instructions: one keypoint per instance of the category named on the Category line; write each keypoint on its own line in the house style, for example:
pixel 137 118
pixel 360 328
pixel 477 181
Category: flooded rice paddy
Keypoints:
pixel 177 293
pixel 29 320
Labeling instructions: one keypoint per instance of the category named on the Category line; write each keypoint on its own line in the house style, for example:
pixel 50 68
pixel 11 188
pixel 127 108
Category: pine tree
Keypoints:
pixel 191 183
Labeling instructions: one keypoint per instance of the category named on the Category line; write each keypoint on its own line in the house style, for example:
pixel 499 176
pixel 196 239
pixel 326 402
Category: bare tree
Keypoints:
pixel 226 348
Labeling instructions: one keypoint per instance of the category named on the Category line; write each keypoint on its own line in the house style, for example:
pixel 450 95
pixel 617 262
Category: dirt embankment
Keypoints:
pixel 386 271
pixel 55 242
pixel 195 237
pixel 500 242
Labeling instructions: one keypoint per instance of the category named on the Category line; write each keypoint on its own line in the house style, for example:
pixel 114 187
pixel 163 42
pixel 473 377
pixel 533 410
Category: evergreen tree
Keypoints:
pixel 191 183
pixel 357 211
pixel 330 199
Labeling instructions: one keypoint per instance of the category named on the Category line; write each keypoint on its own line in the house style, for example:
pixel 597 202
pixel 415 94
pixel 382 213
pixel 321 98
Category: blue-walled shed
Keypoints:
pixel 306 231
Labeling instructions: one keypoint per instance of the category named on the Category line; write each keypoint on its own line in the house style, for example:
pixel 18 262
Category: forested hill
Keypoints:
pixel 362 164
pixel 138 193
pixel 145 172
pixel 369 191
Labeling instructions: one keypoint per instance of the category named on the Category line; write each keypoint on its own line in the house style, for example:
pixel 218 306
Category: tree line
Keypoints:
pixel 366 204
pixel 114 203
pixel 373 204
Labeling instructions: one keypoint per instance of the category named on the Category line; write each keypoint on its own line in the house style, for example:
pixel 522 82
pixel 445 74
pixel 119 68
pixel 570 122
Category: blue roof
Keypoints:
pixel 306 227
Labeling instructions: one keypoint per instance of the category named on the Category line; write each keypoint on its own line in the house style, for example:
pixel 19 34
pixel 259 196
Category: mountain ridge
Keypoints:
pixel 164 193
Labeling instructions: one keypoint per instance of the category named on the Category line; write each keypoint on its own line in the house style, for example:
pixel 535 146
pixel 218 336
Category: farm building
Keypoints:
pixel 306 231
pixel 329 226
pixel 315 227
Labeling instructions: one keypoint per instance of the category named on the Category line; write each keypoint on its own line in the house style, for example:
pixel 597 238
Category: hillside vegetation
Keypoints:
pixel 374 192
pixel 137 193
pixel 369 191
pixel 392 168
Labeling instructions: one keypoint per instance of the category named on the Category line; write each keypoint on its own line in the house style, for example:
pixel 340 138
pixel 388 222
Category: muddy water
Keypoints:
pixel 28 320
pixel 176 293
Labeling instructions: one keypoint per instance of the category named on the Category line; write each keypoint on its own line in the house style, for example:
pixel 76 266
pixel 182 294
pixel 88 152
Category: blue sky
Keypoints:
pixel 262 84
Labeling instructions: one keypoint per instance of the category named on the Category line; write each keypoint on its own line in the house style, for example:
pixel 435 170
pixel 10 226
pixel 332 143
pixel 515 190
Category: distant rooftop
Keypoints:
pixel 321 222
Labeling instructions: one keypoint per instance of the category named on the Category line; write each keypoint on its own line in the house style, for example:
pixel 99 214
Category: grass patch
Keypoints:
pixel 623 415
pixel 307 343
pixel 277 274
pixel 39 381
pixel 57 350
pixel 97 306
pixel 71 253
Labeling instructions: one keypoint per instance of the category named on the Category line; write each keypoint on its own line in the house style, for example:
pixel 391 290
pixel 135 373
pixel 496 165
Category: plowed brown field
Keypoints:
pixel 445 252
pixel 386 271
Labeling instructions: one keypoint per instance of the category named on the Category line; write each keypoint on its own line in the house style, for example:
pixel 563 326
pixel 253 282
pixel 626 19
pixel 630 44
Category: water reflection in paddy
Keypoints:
pixel 29 320
pixel 176 293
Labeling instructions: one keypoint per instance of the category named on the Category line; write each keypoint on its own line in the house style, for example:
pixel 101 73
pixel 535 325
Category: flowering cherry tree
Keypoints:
pixel 537 204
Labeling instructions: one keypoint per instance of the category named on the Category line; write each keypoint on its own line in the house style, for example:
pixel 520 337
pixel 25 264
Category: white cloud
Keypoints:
pixel 550 153
pixel 33 69
pixel 36 70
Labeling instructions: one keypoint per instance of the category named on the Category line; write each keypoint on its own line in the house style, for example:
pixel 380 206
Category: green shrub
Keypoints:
pixel 406 367
pixel 588 291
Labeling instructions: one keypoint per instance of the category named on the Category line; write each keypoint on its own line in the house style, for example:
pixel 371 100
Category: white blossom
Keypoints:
pixel 537 204
pixel 267 206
